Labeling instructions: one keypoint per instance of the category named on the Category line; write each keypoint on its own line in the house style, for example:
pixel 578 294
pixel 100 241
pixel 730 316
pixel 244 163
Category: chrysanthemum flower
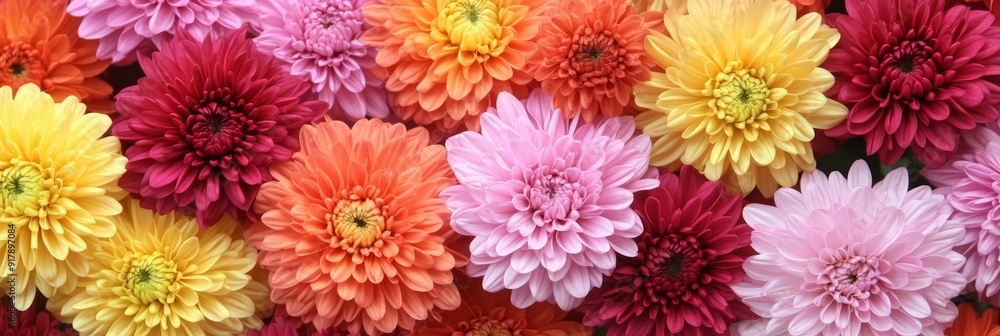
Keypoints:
pixel 740 105
pixel 484 313
pixel 446 61
pixel 39 45
pixel 201 129
pixel 970 323
pixel 162 275
pixel 318 41
pixel 589 57
pixel 969 181
pixel 283 325
pixel 843 257
pixel 692 248
pixel 547 199
pixel 914 75
pixel 58 186
pixel 127 28
pixel 353 231
pixel 679 6
pixel 28 322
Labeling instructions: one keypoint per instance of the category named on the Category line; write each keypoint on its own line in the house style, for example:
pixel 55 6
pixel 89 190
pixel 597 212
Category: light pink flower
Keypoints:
pixel 317 41
pixel 547 199
pixel 971 183
pixel 125 27
pixel 843 257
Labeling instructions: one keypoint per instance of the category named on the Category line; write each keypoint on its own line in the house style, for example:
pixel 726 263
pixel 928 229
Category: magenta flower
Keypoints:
pixel 971 182
pixel 692 248
pixel 547 199
pixel 843 257
pixel 914 74
pixel 317 41
pixel 201 130
pixel 125 27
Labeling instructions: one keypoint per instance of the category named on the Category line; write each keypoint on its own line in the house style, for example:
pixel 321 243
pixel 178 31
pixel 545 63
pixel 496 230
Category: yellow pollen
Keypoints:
pixel 358 223
pixel 150 278
pixel 740 96
pixel 22 189
pixel 473 26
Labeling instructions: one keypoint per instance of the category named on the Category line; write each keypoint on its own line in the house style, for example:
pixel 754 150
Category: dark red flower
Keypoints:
pixel 692 248
pixel 202 128
pixel 282 324
pixel 914 75
pixel 29 322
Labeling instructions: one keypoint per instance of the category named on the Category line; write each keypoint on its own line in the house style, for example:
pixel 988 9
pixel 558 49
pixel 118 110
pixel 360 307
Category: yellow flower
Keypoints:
pixel 58 186
pixel 161 275
pixel 741 94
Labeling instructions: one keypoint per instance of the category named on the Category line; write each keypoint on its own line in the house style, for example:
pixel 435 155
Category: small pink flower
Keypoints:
pixel 547 199
pixel 843 257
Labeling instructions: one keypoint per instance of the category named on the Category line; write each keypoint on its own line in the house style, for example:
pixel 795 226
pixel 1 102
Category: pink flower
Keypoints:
pixel 125 27
pixel 317 41
pixel 282 324
pixel 971 182
pixel 914 74
pixel 691 251
pixel 843 257
pixel 547 199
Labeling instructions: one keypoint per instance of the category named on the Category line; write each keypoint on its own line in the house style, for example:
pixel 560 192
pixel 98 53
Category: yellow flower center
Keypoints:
pixel 740 96
pixel 22 189
pixel 471 25
pixel 358 223
pixel 150 278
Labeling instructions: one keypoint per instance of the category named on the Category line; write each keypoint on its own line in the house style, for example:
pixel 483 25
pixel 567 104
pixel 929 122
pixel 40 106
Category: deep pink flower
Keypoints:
pixel 30 321
pixel 914 75
pixel 843 257
pixel 317 41
pixel 547 199
pixel 282 324
pixel 202 128
pixel 125 27
pixel 971 182
pixel 692 248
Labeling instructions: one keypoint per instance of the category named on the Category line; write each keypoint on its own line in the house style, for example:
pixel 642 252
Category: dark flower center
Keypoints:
pixel 20 60
pixel 905 63
pixel 218 128
pixel 675 264
pixel 594 56
pixel 908 70
pixel 486 326
pixel 848 278
pixel 17 69
pixel 672 267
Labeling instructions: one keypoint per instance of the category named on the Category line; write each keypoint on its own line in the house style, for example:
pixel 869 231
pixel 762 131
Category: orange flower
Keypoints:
pixel 39 44
pixel 352 229
pixel 589 57
pixel 969 323
pixel 446 60
pixel 484 313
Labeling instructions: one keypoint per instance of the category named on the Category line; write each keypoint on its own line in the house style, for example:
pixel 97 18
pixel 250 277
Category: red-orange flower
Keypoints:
pixel 589 57
pixel 969 323
pixel 352 229
pixel 39 44
pixel 445 61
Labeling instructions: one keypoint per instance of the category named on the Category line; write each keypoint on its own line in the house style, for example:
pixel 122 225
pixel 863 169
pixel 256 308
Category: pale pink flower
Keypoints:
pixel 547 199
pixel 125 27
pixel 843 257
pixel 317 41
pixel 971 183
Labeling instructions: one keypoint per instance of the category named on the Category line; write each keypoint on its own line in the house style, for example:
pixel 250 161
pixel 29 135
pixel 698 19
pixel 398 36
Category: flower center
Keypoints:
pixel 22 189
pixel 217 128
pixel 358 223
pixel 595 55
pixel 486 327
pixel 473 26
pixel 850 278
pixel 673 266
pixel 329 27
pixel 740 96
pixel 554 196
pixel 20 64
pixel 150 278
pixel 908 55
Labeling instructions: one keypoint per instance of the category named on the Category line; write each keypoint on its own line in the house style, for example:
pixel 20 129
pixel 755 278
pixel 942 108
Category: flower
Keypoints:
pixel 843 257
pixel 680 6
pixel 127 28
pixel 547 199
pixel 445 61
pixel 589 57
pixel 39 45
pixel 484 313
pixel 27 322
pixel 162 275
pixel 317 41
pixel 283 325
pixel 968 181
pixel 969 323
pixel 744 114
pixel 692 249
pixel 58 176
pixel 201 129
pixel 352 229
pixel 913 75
